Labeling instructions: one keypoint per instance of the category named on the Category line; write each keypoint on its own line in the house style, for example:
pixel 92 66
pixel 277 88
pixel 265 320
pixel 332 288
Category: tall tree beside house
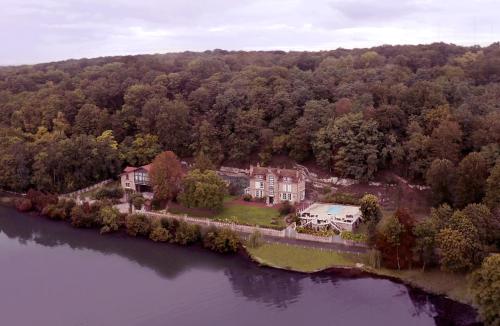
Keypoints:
pixel 371 213
pixel 392 232
pixel 441 178
pixel 425 242
pixel 203 189
pixel 396 240
pixel 485 286
pixel 166 176
pixel 471 179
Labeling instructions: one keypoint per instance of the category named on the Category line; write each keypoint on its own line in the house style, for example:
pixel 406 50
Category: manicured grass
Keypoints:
pixel 237 213
pixel 302 259
pixel 251 215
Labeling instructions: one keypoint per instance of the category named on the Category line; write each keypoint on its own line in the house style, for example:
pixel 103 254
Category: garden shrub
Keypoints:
pixel 67 205
pixel 84 216
pixel 222 241
pixel 109 193
pixel 138 224
pixel 321 233
pixel 358 237
pixel 160 234
pixel 24 205
pixel 137 201
pixel 170 224
pixel 111 219
pixel 247 197
pixel 40 199
pixel 286 208
pixel 54 212
pixel 187 233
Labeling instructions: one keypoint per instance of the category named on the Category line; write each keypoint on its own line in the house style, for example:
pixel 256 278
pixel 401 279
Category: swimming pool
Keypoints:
pixel 334 210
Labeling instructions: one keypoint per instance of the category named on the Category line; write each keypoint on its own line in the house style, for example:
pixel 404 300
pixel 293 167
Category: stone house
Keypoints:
pixel 277 185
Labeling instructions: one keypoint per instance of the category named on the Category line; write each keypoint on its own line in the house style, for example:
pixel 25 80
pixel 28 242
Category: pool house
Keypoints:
pixel 331 216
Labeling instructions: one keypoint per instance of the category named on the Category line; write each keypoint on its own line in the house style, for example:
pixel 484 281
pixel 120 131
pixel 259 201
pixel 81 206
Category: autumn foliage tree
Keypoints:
pixel 166 176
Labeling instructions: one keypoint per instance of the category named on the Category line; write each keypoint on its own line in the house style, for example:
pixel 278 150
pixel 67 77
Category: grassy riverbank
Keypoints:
pixel 302 259
pixel 308 260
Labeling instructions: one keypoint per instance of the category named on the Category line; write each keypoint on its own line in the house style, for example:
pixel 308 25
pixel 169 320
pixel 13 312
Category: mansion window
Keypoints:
pixel 127 184
pixel 286 196
pixel 141 178
pixel 287 187
pixel 271 181
pixel 259 193
pixel 259 184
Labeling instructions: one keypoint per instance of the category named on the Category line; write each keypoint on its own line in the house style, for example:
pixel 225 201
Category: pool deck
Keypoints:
pixel 324 213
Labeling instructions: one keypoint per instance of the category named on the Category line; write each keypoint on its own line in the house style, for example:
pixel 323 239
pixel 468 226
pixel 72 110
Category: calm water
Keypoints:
pixel 52 274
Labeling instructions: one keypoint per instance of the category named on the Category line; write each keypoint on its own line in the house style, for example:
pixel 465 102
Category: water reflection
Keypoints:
pixel 265 285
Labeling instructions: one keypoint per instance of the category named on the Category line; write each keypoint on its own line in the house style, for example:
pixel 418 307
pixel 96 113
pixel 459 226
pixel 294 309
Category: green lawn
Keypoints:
pixel 251 215
pixel 302 259
pixel 237 213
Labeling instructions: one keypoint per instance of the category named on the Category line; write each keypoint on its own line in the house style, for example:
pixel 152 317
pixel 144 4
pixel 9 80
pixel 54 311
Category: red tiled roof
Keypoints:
pixel 129 169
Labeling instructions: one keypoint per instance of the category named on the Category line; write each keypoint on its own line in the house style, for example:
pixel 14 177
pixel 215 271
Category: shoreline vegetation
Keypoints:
pixel 314 260
pixel 292 257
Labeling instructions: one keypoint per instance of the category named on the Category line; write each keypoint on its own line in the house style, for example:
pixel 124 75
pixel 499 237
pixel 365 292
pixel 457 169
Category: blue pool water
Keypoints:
pixel 334 210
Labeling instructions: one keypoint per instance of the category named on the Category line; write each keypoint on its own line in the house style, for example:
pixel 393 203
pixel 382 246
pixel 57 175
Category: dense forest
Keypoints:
pixel 65 125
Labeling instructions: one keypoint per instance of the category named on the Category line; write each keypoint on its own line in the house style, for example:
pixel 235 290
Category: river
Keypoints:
pixel 54 275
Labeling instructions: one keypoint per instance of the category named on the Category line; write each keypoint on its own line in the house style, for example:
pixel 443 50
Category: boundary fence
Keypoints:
pixel 284 235
pixel 77 193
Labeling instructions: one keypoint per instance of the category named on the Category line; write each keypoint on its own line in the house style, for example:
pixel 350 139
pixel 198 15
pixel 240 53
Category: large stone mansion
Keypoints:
pixel 277 185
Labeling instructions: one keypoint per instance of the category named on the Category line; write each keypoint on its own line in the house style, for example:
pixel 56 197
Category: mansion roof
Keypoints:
pixel 295 175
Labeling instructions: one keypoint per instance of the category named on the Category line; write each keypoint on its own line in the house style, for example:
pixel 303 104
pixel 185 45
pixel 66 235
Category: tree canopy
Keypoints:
pixel 353 112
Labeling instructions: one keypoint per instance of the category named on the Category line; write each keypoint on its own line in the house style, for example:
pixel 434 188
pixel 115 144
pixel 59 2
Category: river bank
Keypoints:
pixel 319 260
pixel 310 260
